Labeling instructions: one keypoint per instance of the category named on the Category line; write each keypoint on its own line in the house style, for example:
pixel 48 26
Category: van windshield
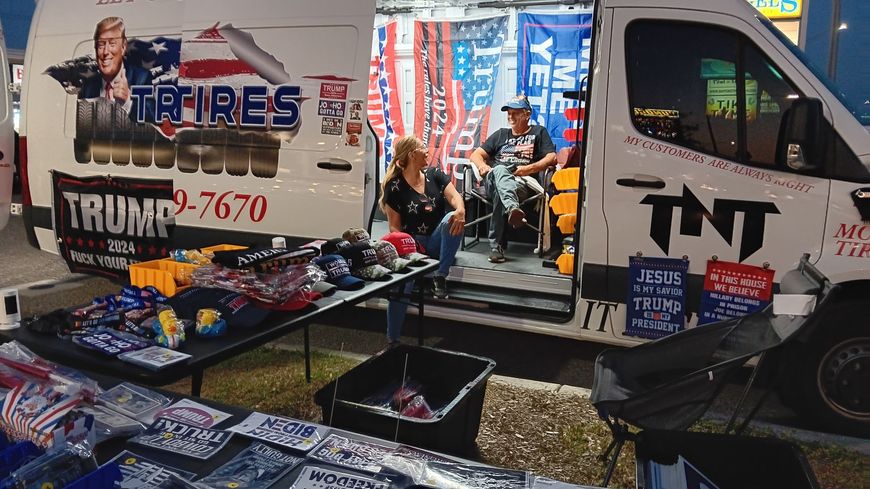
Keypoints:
pixel 861 115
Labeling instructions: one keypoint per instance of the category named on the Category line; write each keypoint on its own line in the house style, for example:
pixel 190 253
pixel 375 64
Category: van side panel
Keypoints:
pixel 286 157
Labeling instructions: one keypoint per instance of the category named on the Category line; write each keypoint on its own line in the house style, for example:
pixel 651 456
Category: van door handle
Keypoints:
pixel 632 182
pixel 330 165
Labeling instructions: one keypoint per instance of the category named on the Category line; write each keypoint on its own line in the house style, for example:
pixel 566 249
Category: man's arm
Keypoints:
pixel 479 159
pixel 538 166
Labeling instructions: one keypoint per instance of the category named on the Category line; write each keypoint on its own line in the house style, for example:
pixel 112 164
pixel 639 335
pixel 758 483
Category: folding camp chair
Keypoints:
pixel 531 193
pixel 669 383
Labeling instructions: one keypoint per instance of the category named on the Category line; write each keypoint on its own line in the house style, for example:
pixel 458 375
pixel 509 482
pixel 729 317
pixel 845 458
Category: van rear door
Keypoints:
pixel 7 143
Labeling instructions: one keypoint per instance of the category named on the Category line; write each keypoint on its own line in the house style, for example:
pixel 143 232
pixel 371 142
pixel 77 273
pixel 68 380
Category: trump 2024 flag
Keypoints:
pixel 456 68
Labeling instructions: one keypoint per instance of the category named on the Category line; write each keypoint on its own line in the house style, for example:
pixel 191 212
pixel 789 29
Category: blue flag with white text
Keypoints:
pixel 552 58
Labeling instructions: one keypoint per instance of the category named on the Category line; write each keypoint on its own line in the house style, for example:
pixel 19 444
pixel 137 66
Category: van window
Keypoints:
pixel 691 71
pixel 681 84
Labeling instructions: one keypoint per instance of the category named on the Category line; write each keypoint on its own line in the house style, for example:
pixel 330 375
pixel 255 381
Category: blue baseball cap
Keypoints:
pixel 518 102
pixel 338 272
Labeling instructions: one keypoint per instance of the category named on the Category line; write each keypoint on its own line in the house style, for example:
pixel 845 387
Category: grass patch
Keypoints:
pixel 270 380
pixel 551 434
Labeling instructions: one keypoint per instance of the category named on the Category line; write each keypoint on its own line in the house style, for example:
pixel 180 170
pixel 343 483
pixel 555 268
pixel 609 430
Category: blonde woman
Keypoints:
pixel 415 197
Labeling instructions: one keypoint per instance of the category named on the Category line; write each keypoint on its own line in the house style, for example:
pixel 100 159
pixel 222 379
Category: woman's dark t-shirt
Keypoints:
pixel 420 213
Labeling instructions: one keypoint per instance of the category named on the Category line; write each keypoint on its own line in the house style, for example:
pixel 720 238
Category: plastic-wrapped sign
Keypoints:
pixel 287 432
pixel 656 296
pixel 183 439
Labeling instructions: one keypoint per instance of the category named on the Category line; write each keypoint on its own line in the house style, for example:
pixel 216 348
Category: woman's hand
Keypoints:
pixel 457 222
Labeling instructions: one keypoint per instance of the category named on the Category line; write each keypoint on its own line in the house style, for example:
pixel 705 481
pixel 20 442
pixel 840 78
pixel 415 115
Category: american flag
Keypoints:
pixel 457 65
pixel 384 108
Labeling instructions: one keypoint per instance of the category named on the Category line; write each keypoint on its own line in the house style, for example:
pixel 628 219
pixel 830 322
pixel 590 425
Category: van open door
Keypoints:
pixel 7 143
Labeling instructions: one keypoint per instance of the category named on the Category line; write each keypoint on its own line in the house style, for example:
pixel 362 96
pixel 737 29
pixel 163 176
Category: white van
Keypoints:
pixel 7 141
pixel 786 172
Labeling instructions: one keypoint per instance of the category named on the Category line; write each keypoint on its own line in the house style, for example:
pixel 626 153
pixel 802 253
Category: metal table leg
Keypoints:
pixel 196 383
pixel 307 355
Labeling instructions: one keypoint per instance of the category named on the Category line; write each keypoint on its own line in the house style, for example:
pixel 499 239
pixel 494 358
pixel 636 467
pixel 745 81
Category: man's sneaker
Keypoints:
pixel 439 287
pixel 496 255
pixel 516 217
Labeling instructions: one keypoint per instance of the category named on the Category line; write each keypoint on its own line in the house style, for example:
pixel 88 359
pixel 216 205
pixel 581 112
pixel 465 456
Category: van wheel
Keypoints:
pixel 122 131
pixel 188 144
pixel 102 147
pixel 833 377
pixel 264 156
pixel 164 152
pixel 142 144
pixel 238 153
pixel 84 131
pixel 214 147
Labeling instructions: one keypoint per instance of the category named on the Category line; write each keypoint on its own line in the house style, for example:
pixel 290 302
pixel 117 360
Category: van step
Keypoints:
pixel 504 301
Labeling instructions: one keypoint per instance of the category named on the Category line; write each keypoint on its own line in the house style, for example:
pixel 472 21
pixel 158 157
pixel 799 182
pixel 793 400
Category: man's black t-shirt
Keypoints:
pixel 420 213
pixel 504 148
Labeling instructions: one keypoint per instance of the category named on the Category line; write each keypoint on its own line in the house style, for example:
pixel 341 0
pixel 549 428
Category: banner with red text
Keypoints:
pixel 733 290
pixel 456 67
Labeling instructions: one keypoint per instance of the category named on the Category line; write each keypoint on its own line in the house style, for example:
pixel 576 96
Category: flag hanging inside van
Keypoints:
pixel 456 67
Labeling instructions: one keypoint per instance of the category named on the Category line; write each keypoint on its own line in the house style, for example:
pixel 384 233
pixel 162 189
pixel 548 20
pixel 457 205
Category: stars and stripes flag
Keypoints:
pixel 384 107
pixel 456 66
pixel 552 57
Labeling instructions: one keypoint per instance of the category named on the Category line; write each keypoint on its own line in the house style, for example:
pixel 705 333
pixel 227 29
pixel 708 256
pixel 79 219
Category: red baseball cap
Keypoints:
pixel 405 245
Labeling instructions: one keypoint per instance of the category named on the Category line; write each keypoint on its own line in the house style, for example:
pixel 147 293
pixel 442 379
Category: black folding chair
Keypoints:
pixel 531 193
pixel 668 384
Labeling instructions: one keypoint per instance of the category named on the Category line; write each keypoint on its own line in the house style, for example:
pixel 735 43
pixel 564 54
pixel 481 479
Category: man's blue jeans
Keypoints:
pixel 440 244
pixel 501 187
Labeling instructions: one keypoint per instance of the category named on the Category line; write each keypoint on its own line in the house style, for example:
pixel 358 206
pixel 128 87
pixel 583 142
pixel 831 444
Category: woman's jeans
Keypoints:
pixel 440 244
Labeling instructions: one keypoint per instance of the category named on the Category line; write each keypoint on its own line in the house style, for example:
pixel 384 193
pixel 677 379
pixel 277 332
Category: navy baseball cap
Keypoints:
pixel 338 272
pixel 332 246
pixel 518 102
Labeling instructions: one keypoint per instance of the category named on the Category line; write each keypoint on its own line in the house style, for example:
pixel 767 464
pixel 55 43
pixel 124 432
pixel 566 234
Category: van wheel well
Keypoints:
pixel 831 367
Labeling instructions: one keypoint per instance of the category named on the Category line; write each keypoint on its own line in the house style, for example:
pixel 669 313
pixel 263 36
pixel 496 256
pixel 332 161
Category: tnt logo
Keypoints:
pixel 693 213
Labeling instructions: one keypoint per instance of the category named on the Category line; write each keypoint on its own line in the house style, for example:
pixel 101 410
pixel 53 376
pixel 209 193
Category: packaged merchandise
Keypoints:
pixel 209 323
pixel 183 439
pixel 136 402
pixel 256 467
pixel 274 287
pixel 287 432
pixel 168 328
pixel 154 357
pixel 352 453
pixel 141 473
pixel 110 424
pixel 34 368
pixel 192 412
pixel 191 256
pixel 109 342
pixel 55 469
pixel 236 309
pixel 317 477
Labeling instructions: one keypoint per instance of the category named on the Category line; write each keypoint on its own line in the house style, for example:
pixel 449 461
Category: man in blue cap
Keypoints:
pixel 506 156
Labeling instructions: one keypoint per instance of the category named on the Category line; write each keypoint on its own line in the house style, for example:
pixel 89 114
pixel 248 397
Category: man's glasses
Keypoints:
pixel 111 43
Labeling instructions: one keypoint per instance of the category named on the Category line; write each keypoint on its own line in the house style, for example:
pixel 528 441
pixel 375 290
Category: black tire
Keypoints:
pixel 164 152
pixel 122 132
pixel 214 150
pixel 238 153
pixel 142 144
pixel 264 155
pixel 84 131
pixel 833 374
pixel 103 121
pixel 188 143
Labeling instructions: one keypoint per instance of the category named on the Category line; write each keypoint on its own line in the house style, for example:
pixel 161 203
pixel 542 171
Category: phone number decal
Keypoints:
pixel 225 206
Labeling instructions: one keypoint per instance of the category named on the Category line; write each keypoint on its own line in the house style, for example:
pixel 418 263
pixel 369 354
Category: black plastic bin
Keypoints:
pixel 455 384
pixel 731 462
